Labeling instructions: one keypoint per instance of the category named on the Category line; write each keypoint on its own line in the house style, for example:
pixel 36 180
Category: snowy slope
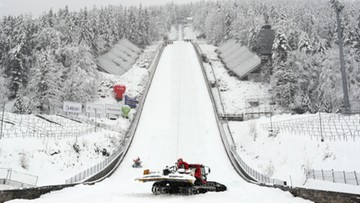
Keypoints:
pixel 286 156
pixel 177 121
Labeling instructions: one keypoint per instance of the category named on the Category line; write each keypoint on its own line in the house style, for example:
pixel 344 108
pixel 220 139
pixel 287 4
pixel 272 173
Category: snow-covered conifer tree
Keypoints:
pixel 4 91
pixel 280 48
pixel 215 25
pixel 44 87
pixel 16 70
pixel 132 25
pixel 79 76
pixel 85 36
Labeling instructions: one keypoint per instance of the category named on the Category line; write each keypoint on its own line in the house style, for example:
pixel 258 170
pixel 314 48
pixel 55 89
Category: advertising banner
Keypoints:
pixel 113 109
pixel 95 108
pixel 72 107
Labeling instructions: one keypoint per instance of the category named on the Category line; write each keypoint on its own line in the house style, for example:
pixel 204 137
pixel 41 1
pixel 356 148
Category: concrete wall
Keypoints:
pixel 325 196
pixel 29 193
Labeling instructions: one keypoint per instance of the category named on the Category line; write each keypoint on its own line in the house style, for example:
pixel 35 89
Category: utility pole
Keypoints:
pixel 321 128
pixel 338 8
pixel 95 119
pixel 2 121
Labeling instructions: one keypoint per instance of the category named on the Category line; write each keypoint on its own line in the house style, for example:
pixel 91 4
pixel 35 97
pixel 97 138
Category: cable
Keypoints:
pixel 178 119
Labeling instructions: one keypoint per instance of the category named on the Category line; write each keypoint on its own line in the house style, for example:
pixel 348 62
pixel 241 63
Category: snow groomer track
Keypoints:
pixel 177 120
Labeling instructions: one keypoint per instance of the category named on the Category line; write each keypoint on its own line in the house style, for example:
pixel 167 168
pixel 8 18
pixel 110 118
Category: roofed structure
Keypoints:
pixel 120 58
pixel 239 59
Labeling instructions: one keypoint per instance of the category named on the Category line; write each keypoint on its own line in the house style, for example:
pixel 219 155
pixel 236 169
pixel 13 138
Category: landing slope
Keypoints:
pixel 177 121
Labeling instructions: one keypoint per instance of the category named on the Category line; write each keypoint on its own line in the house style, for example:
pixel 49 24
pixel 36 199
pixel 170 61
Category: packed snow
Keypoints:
pixel 169 128
pixel 175 107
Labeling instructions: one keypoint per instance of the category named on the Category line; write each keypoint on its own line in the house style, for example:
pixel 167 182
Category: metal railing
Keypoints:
pixel 16 178
pixel 352 178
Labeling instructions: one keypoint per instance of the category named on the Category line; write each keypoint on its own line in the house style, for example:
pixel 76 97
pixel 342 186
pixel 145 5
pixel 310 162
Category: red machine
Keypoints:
pixel 119 91
pixel 182 181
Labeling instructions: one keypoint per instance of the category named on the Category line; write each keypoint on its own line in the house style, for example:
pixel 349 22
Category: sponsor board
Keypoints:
pixel 95 108
pixel 72 107
pixel 113 109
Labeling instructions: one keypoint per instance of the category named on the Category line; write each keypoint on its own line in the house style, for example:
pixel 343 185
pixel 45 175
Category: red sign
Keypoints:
pixel 119 91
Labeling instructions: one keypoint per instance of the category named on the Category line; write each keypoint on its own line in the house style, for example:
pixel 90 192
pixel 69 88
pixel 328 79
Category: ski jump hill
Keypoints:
pixel 176 119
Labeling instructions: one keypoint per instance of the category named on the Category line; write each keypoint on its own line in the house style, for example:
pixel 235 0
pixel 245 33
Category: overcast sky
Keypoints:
pixel 36 7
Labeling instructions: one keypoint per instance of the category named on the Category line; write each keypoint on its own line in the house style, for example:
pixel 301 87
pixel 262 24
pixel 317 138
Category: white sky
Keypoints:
pixel 36 7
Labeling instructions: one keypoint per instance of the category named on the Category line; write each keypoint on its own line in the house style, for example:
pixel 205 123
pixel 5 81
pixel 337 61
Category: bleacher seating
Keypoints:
pixel 238 59
pixel 120 58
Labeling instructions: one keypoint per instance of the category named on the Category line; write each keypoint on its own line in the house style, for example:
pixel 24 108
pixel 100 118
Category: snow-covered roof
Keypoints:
pixel 120 58
pixel 126 43
pixel 227 45
pixel 239 59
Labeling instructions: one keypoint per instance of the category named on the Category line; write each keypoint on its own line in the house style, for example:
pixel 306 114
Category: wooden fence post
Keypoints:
pixel 332 171
pixel 344 177
pixel 357 181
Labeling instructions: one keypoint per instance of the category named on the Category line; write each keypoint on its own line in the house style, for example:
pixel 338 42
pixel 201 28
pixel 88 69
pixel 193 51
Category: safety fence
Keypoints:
pixel 129 134
pixel 16 178
pixel 320 126
pixel 255 174
pixel 39 126
pixel 91 122
pixel 226 132
pixel 80 177
pixel 352 178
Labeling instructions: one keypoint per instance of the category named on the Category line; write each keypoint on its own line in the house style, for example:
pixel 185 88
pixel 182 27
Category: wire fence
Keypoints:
pixel 39 126
pixel 352 178
pixel 91 122
pixel 16 178
pixel 320 126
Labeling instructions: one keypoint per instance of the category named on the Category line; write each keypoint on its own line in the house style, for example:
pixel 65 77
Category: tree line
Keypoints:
pixel 49 59
pixel 305 69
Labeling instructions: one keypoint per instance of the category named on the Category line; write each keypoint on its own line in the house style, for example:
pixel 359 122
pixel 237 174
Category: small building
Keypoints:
pixel 266 38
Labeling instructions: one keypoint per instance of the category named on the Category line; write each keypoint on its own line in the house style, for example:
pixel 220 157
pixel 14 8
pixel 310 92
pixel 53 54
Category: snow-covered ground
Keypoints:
pixel 286 156
pixel 45 156
pixel 177 121
pixel 169 128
